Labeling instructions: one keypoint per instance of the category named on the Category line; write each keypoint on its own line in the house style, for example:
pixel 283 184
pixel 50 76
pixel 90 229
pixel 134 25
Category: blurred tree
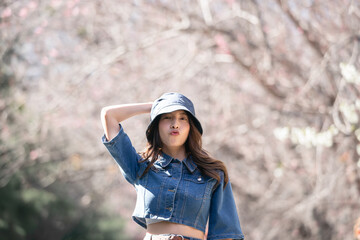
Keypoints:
pixel 36 213
pixel 35 202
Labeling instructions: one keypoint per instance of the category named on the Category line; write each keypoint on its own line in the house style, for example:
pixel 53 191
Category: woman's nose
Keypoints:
pixel 174 124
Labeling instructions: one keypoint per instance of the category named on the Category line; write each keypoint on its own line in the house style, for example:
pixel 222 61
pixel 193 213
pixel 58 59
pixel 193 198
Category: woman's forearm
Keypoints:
pixel 112 115
pixel 125 111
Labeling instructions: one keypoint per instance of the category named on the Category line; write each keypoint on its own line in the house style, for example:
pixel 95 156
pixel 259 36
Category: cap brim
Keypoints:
pixel 172 108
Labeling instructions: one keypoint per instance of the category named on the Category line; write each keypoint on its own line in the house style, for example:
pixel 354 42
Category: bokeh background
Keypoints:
pixel 276 85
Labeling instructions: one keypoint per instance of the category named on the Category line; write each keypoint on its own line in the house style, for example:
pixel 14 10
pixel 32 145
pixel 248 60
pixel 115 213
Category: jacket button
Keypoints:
pixel 199 179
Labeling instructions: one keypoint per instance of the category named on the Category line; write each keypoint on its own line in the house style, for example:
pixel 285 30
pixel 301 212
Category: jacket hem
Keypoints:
pixel 222 236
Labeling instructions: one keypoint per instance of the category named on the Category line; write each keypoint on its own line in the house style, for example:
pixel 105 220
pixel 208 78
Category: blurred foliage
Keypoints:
pixel 34 202
pixel 35 213
pixel 31 210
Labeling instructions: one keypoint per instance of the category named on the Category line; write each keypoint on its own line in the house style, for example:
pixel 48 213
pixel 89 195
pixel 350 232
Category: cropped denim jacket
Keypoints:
pixel 176 191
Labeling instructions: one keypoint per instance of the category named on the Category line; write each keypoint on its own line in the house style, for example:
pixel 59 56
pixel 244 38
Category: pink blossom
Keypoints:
pixel 75 12
pixel 6 13
pixel 32 5
pixel 23 12
pixel 230 2
pixel 35 154
pixel 222 44
pixel 55 3
pixel 241 38
pixel 85 11
pixel 72 3
pixel 38 30
pixel 53 53
pixel 44 23
pixel 45 61
pixel 300 30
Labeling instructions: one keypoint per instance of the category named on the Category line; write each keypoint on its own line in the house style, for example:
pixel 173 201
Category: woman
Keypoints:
pixel 180 188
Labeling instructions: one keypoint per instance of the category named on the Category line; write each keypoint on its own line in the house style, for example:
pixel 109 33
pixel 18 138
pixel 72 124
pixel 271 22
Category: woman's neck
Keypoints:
pixel 178 153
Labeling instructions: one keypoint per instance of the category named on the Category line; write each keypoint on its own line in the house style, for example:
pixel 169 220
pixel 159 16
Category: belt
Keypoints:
pixel 168 237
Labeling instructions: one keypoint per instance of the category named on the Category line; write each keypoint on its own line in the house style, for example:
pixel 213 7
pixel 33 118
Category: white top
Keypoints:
pixel 151 221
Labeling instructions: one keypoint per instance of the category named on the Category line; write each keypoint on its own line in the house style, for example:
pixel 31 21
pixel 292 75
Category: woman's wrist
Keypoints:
pixel 148 106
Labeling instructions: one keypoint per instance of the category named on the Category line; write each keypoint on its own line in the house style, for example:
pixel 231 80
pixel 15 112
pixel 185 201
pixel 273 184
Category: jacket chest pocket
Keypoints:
pixel 157 178
pixel 196 187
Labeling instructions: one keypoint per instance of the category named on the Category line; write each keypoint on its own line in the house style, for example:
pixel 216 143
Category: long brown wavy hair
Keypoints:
pixel 207 165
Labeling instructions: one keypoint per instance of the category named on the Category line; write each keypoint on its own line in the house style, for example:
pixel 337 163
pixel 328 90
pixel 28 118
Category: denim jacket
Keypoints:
pixel 176 191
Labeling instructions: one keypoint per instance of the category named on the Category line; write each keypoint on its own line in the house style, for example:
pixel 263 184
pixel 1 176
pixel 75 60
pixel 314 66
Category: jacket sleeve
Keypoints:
pixel 123 152
pixel 223 218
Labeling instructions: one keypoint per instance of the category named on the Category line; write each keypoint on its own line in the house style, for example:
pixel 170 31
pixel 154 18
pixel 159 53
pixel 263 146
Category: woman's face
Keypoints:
pixel 174 129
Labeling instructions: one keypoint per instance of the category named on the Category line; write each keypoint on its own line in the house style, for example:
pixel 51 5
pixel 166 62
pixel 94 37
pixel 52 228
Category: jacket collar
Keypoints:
pixel 164 160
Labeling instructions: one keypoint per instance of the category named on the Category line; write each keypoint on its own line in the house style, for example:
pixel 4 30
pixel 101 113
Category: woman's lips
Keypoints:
pixel 174 133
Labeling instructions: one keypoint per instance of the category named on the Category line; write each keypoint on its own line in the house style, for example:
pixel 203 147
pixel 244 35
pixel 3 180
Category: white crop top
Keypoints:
pixel 151 221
